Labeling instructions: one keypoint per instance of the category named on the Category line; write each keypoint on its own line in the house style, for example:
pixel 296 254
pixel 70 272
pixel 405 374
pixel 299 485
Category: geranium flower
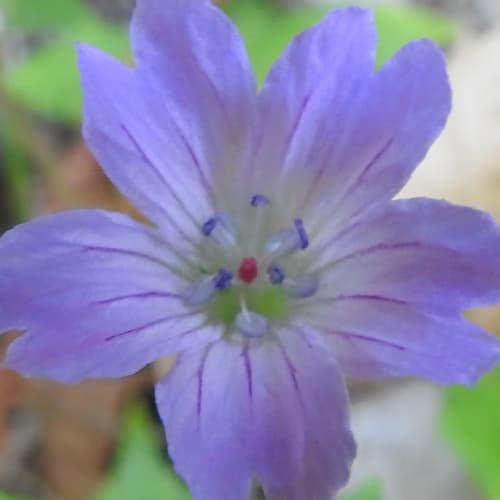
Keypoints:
pixel 277 259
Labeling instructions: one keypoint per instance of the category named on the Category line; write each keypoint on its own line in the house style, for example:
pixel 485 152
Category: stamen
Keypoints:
pixel 251 324
pixel 221 229
pixel 259 200
pixel 275 273
pixel 287 241
pixel 248 270
pixel 302 287
pixel 209 226
pixel 299 226
pixel 200 292
pixel 222 279
pixel 283 243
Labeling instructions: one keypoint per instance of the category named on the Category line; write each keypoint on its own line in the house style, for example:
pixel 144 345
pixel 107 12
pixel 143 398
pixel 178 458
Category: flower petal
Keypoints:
pixel 204 406
pixel 275 412
pixel 373 337
pixel 407 109
pixel 316 80
pixel 395 283
pixel 329 446
pixel 422 251
pixel 197 60
pixel 339 136
pixel 98 295
pixel 135 140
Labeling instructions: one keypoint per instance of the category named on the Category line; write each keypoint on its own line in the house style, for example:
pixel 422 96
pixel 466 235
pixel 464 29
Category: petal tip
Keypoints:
pixel 355 14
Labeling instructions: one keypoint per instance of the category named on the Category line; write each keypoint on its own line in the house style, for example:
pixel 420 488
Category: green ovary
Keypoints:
pixel 269 301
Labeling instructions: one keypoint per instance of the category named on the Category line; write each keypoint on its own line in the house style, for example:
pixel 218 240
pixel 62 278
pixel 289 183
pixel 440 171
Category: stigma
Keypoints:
pixel 248 270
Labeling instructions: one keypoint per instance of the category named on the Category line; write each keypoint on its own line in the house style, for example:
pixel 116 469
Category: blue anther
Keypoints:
pixel 304 240
pixel 276 274
pixel 209 226
pixel 259 200
pixel 222 279
pixel 220 228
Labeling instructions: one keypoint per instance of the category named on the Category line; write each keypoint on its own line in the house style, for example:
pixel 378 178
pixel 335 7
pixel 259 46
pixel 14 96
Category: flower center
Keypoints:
pixel 236 293
pixel 248 270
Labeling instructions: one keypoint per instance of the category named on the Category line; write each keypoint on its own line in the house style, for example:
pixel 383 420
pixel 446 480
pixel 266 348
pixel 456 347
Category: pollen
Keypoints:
pixel 248 270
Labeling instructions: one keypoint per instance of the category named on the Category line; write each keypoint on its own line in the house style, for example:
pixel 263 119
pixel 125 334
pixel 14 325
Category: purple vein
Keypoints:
pixel 196 163
pixel 199 378
pixel 191 65
pixel 291 368
pixel 336 237
pixel 151 165
pixel 364 172
pixel 213 88
pixel 248 370
pixel 371 164
pixel 296 123
pixel 143 154
pixel 378 248
pixel 315 182
pixel 379 298
pixel 121 251
pixel 364 338
pixel 369 250
pixel 139 296
pixel 150 325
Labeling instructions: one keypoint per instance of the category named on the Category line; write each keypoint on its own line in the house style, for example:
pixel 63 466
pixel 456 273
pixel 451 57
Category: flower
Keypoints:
pixel 277 259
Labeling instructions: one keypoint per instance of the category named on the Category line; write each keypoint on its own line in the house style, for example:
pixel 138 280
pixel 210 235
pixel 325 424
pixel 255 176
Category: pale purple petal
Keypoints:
pixel 317 81
pixel 421 251
pixel 275 412
pixel 408 107
pixel 137 144
pixel 326 144
pixel 195 58
pixel 98 295
pixel 329 447
pixel 395 283
pixel 205 409
pixel 375 337
pixel 337 136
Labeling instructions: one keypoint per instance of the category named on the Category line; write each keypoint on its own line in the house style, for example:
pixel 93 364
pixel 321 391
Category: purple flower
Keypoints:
pixel 277 258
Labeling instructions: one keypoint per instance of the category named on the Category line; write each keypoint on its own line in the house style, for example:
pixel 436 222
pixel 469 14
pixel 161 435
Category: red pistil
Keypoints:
pixel 248 270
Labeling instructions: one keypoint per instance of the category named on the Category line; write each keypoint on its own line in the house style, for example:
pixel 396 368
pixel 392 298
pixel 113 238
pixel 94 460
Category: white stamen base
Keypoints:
pixel 251 324
pixel 302 287
pixel 200 292
pixel 283 243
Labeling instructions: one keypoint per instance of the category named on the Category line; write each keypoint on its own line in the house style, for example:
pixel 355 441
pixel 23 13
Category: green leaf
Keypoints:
pixel 46 14
pixel 8 496
pixel 140 471
pixel 49 83
pixel 267 29
pixel 471 424
pixel 371 490
pixel 17 174
pixel 399 25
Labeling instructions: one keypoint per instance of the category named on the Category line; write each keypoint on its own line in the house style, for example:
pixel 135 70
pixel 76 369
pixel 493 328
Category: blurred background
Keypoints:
pixel 102 440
